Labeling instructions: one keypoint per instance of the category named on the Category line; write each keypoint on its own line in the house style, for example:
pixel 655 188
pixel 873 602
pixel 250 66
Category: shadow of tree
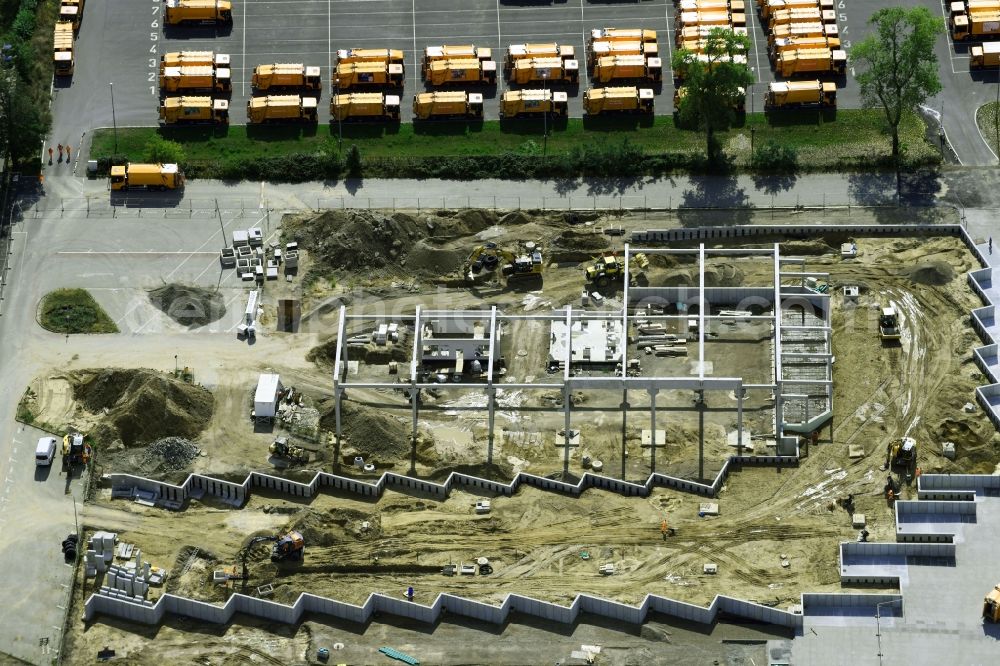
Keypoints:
pixel 705 197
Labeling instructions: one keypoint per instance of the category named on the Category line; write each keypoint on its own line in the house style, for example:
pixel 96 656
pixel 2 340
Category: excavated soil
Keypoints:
pixel 141 406
pixel 189 306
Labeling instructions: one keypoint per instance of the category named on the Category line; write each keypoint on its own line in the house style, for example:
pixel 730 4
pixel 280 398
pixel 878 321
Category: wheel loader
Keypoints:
pixel 610 267
pixel 526 263
pixel 295 454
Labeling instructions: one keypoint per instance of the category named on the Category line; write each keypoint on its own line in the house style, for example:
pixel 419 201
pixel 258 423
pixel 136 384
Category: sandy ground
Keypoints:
pixel 535 539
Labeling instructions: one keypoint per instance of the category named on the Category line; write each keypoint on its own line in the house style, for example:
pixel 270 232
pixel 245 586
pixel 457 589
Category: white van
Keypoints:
pixel 45 451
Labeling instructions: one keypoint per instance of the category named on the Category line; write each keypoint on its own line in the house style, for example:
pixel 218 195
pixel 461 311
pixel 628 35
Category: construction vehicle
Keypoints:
pixel 281 108
pixel 71 11
pixel 179 12
pixel 286 76
pixel 526 263
pixel 767 7
pixel 622 35
pixel 391 56
pixel 801 15
pixel 792 43
pixel 180 110
pixel 985 56
pixel 75 451
pixel 282 449
pixel 516 103
pixel 980 25
pixel 599 50
pixel 150 176
pixel 196 78
pixel 811 61
pixel 715 19
pixel 517 52
pixel 695 33
pixel 796 94
pixel 618 100
pixel 901 454
pixel 289 546
pixel 611 68
pixel 991 604
pixel 451 104
pixel 62 49
pixel 194 58
pixel 735 6
pixel 795 30
pixel 610 267
pixel 461 52
pixel 888 325
pixel 461 70
pixel 364 105
pixel 367 73
pixel 527 70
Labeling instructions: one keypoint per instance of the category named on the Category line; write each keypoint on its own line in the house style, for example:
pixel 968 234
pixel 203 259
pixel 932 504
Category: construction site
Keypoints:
pixel 481 404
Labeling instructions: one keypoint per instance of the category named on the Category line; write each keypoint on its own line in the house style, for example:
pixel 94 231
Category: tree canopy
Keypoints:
pixel 714 84
pixel 897 63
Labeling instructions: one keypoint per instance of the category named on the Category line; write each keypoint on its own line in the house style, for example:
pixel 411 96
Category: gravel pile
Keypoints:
pixel 170 454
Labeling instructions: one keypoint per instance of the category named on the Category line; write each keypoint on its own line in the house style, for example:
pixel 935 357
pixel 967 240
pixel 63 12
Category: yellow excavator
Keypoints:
pixel 75 451
pixel 610 267
pixel 526 263
pixel 902 454
pixel 991 604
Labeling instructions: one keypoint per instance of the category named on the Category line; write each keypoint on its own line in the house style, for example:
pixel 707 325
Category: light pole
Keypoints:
pixel 878 623
pixel 545 115
pixel 114 122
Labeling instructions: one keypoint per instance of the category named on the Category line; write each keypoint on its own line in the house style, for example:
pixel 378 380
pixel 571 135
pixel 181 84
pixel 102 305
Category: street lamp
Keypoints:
pixel 545 114
pixel 878 623
pixel 114 122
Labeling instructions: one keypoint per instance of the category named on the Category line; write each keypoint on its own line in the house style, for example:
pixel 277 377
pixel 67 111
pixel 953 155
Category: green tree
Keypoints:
pixel 24 119
pixel 715 84
pixel 163 151
pixel 898 67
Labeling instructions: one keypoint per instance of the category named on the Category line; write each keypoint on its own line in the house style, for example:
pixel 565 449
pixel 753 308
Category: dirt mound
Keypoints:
pixel 329 529
pixel 188 306
pixel 425 258
pixel 935 273
pixel 516 218
pixel 170 454
pixel 806 248
pixel 143 405
pixel 372 432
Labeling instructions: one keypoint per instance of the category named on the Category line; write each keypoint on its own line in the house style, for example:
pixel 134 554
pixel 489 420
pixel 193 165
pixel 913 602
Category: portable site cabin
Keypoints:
pixel 265 399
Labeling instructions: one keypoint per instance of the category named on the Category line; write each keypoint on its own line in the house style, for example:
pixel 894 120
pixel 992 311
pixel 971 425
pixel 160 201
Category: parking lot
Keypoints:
pixel 123 43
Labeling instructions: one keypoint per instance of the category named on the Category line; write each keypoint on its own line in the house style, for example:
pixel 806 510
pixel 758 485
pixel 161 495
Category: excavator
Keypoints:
pixel 991 604
pixel 290 546
pixel 902 454
pixel 526 263
pixel 610 267
pixel 282 449
pixel 75 451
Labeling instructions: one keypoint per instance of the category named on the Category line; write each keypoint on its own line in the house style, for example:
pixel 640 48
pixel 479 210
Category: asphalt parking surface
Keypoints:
pixel 122 42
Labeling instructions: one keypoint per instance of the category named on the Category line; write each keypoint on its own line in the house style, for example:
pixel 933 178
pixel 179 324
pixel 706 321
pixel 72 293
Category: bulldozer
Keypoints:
pixel 282 449
pixel 75 451
pixel 991 605
pixel 524 264
pixel 610 267
pixel 901 454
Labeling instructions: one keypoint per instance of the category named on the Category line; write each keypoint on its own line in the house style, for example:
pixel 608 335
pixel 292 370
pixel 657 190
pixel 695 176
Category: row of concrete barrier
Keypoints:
pixel 197 486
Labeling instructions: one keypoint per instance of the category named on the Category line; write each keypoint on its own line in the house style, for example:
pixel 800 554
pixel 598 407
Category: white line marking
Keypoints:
pixel 243 54
pixel 329 37
pixel 950 41
pixel 500 48
pixel 756 51
pixel 583 34
pixel 145 253
pixel 978 129
pixel 413 20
